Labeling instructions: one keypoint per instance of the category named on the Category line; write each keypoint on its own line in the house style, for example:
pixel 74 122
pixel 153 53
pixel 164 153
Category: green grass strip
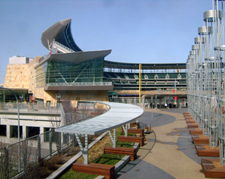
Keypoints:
pixel 70 174
pixel 108 159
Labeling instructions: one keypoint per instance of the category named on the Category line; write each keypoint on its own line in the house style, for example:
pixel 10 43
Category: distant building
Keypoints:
pixel 19 60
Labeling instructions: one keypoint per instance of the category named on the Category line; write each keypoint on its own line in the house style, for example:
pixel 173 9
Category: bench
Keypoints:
pixel 192 125
pixel 97 169
pixel 136 131
pixel 134 124
pixel 200 140
pixel 190 121
pixel 195 131
pixel 188 115
pixel 140 140
pixel 132 152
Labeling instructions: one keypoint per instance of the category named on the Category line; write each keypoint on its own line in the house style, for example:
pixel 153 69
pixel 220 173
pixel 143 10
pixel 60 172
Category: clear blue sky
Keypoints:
pixel 137 31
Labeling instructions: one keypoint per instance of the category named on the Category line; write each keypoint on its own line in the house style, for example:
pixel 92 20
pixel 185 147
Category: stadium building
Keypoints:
pixel 69 74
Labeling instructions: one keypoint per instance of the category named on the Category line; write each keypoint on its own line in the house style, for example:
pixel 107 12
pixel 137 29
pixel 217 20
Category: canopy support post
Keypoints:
pixel 125 129
pixel 85 149
pixel 113 137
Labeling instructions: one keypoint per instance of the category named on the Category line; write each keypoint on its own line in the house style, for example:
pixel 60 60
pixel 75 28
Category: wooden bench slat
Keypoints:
pixel 136 131
pixel 140 140
pixel 97 169
pixel 132 152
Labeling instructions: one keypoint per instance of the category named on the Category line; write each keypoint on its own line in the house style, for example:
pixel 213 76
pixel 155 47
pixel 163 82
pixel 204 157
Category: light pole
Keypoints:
pixel 58 96
pixel 175 86
pixel 152 106
pixel 18 129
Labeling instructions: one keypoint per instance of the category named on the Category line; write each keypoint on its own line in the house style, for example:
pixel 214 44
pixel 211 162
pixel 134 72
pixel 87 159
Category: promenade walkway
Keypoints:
pixel 173 155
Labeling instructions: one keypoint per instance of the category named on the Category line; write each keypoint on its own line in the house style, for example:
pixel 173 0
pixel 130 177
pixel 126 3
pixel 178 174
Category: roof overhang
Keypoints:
pixel 14 89
pixel 77 88
pixel 76 57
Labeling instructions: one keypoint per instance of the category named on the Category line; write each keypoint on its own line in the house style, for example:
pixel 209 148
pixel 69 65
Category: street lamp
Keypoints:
pixel 18 129
pixel 58 96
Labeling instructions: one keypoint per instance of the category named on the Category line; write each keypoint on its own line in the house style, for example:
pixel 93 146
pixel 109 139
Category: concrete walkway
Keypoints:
pixel 173 155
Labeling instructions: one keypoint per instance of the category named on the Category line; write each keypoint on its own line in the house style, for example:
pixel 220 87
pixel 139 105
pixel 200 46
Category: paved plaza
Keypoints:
pixel 172 156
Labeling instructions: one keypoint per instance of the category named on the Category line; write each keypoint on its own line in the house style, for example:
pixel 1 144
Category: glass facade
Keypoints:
pixel 52 73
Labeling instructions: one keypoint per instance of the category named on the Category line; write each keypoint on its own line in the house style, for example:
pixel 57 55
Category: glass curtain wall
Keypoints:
pixel 53 73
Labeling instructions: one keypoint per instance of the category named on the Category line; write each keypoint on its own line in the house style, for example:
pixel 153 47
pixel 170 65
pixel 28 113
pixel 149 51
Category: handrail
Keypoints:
pixel 81 84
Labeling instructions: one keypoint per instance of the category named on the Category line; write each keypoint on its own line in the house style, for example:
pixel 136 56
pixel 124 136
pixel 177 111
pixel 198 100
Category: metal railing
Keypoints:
pixel 171 91
pixel 81 84
pixel 24 106
pixel 19 157
pixel 127 100
pixel 31 151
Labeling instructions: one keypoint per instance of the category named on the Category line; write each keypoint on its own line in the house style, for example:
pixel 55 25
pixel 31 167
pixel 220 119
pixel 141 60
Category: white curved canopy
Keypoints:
pixel 118 114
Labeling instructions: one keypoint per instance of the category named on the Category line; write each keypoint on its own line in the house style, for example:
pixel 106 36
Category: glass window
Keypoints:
pixel 69 74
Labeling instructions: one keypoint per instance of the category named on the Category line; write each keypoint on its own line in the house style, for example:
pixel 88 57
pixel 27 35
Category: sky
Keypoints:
pixel 137 31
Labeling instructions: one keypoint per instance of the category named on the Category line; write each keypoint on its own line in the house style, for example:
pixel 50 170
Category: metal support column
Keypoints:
pixel 113 137
pixel 125 129
pixel 85 149
pixel 140 79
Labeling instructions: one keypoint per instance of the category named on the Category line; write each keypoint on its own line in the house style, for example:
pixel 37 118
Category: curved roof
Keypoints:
pixel 118 114
pixel 61 32
pixel 76 57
